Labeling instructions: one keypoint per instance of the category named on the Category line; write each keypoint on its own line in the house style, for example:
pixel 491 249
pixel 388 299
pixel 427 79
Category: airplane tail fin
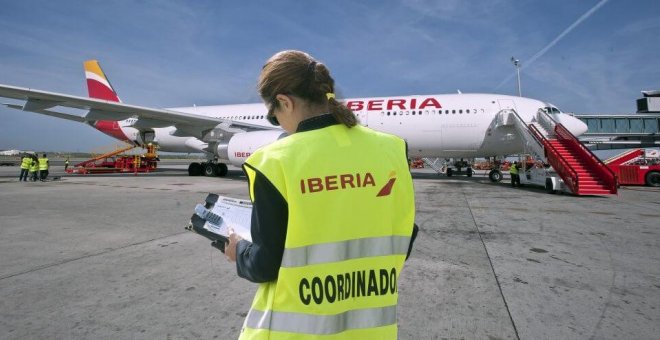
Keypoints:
pixel 98 85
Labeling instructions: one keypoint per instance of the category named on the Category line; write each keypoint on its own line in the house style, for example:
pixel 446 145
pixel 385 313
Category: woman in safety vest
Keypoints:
pixel 333 214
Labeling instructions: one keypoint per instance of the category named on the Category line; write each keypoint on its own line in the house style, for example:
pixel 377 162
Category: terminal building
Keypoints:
pixel 639 130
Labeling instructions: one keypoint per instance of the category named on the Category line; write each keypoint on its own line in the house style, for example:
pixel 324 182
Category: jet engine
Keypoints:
pixel 242 145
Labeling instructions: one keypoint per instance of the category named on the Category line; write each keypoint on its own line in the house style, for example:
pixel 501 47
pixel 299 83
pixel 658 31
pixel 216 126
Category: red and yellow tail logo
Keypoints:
pixel 387 189
pixel 98 87
pixel 98 84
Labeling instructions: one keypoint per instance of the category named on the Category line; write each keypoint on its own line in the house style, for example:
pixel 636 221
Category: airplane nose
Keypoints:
pixel 574 125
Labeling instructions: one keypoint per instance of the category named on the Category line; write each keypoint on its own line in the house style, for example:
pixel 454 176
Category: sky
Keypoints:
pixel 586 56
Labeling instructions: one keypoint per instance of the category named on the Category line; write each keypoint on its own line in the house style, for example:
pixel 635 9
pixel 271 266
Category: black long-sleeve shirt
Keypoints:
pixel 259 261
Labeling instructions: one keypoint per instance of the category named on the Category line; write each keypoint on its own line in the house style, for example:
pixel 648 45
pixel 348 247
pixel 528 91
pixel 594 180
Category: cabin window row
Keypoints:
pixel 246 117
pixel 426 112
pixel 390 113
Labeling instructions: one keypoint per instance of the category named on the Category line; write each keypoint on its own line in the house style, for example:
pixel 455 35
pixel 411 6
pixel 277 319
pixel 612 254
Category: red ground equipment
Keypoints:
pixel 636 167
pixel 417 163
pixel 113 162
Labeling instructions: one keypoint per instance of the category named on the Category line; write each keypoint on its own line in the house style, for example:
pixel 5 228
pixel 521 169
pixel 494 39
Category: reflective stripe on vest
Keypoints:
pixel 321 324
pixel 346 250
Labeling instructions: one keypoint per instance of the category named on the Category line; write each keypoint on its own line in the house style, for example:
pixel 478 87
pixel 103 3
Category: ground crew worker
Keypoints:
pixel 34 169
pixel 515 177
pixel 43 167
pixel 66 164
pixel 333 214
pixel 26 161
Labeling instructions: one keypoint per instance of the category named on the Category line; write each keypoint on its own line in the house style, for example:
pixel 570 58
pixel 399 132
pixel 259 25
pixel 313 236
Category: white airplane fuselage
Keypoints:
pixel 445 125
pixel 448 125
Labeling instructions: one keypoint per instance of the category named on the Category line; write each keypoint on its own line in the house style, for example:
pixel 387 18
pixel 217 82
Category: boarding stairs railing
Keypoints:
pixel 546 122
pixel 536 136
pixel 588 174
pixel 558 162
pixel 436 164
pixel 625 157
pixel 531 142
pixel 542 129
pixel 598 178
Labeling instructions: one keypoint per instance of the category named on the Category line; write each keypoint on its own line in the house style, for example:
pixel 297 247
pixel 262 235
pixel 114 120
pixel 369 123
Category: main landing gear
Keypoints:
pixel 495 175
pixel 209 169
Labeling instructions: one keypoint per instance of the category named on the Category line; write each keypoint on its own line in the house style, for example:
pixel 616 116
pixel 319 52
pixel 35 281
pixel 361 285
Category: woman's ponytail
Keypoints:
pixel 343 114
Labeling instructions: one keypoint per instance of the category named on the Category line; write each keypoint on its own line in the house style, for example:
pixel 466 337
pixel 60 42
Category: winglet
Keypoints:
pixel 98 85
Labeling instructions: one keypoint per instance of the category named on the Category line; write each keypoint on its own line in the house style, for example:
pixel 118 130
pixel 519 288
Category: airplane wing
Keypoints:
pixel 44 102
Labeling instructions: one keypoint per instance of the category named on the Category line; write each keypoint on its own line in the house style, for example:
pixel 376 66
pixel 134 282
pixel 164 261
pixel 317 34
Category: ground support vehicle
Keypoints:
pixel 637 167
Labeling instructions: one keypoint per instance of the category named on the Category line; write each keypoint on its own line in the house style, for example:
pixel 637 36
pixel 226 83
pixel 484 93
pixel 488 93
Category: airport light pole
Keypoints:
pixel 516 63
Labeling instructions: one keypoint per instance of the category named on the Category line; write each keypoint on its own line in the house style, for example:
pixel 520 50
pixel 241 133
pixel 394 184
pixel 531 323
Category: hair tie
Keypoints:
pixel 330 95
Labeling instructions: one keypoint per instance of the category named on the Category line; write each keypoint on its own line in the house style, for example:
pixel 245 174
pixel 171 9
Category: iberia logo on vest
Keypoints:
pixel 344 182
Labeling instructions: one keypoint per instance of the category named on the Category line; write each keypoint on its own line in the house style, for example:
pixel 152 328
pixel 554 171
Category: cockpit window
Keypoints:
pixel 552 110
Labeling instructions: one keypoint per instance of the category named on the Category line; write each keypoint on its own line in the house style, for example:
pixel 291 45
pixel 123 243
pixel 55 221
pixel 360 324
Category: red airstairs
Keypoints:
pixel 581 171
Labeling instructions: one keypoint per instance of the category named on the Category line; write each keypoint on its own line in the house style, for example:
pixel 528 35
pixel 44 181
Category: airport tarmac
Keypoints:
pixel 106 257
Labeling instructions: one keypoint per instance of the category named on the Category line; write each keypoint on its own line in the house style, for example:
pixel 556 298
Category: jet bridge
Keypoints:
pixel 576 168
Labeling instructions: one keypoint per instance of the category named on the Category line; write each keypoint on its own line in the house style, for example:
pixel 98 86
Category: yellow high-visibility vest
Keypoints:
pixel 34 166
pixel 513 169
pixel 26 162
pixel 43 163
pixel 351 212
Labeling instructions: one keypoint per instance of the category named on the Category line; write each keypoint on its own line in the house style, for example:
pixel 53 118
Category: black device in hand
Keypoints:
pixel 197 225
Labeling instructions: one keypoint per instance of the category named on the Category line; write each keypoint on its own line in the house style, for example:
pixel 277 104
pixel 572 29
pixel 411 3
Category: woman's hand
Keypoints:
pixel 230 247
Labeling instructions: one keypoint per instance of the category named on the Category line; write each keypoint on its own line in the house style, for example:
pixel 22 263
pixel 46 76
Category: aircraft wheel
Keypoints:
pixel 450 172
pixel 495 175
pixel 194 169
pixel 210 170
pixel 653 179
pixel 221 169
pixel 469 172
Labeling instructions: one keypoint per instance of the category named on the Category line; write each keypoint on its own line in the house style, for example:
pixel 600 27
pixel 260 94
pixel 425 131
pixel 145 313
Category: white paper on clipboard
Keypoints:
pixel 227 213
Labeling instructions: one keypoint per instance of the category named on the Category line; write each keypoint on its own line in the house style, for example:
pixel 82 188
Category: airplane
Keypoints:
pixel 443 125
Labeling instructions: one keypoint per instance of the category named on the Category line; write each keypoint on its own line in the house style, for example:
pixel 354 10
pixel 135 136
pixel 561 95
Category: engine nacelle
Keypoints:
pixel 242 145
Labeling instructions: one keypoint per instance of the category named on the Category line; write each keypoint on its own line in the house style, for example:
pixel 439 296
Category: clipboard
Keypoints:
pixel 217 215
